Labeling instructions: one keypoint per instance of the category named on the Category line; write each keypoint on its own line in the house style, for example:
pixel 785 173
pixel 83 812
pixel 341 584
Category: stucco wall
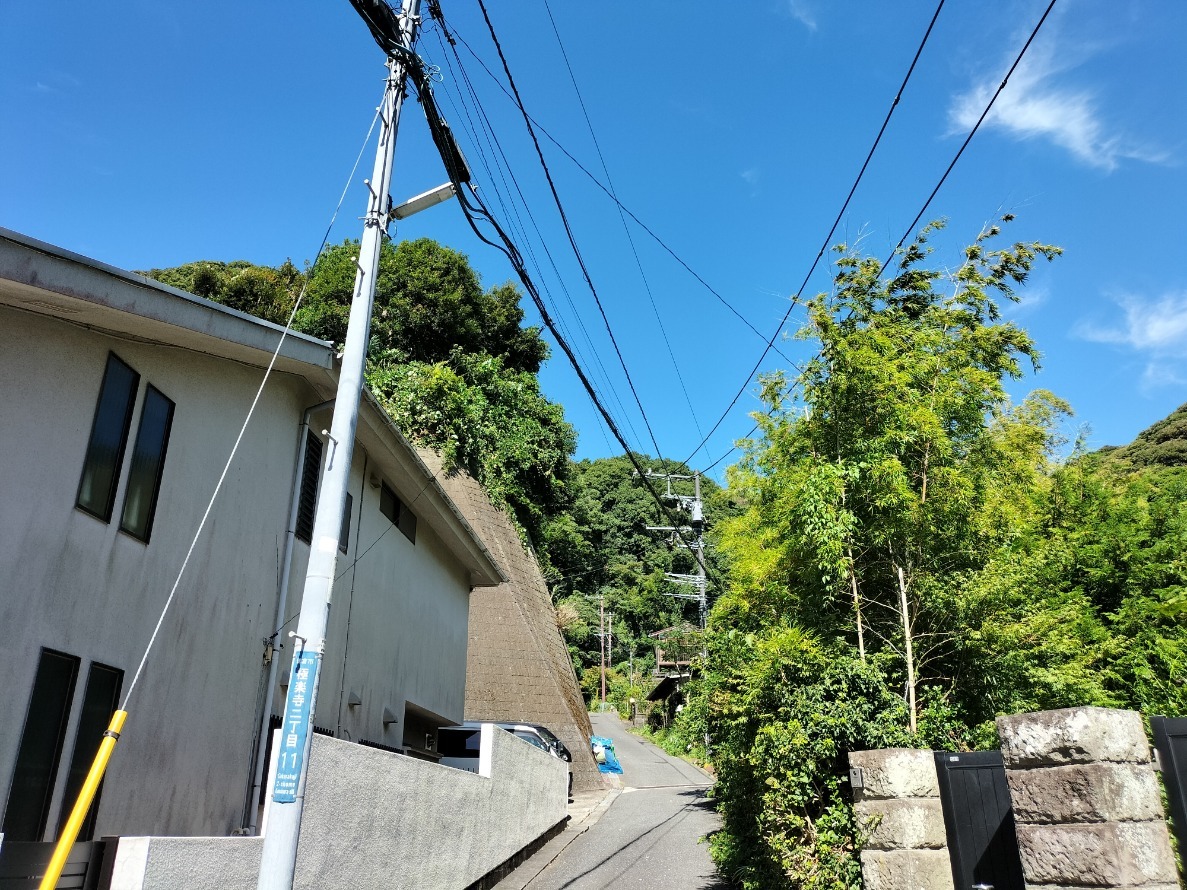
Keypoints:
pixel 397 623
pixel 76 584
pixel 73 583
pixel 374 819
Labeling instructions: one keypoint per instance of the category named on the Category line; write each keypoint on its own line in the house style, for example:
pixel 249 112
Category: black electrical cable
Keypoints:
pixel 565 222
pixel 622 217
pixel 969 138
pixel 472 208
pixel 642 225
pixel 491 137
pixel 795 298
pixel 753 430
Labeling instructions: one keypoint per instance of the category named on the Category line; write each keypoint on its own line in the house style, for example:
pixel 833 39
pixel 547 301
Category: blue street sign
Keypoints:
pixel 295 728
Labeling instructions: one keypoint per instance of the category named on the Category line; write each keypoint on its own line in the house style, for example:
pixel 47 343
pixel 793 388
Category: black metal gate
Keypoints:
pixel 1170 741
pixel 23 865
pixel 979 821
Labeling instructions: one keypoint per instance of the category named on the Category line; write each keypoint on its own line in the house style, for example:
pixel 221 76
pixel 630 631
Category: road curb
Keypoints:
pixel 535 866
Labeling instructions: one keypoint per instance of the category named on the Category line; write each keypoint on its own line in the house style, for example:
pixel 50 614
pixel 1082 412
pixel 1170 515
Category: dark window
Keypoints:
pixel 310 473
pixel 397 511
pixel 41 747
pixel 98 704
pixel 148 463
pixel 344 531
pixel 109 438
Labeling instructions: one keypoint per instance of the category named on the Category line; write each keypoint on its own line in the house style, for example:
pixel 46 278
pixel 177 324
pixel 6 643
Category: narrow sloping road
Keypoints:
pixel 651 836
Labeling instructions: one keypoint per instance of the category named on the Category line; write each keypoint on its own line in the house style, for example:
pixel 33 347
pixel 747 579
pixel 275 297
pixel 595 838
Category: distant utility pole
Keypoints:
pixel 602 638
pixel 694 505
pixel 699 581
pixel 279 857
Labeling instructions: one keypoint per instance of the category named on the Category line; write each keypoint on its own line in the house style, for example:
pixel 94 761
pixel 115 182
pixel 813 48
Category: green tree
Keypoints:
pixel 429 302
pixel 601 546
pixel 451 362
pixel 871 486
pixel 886 476
pixel 257 290
pixel 490 421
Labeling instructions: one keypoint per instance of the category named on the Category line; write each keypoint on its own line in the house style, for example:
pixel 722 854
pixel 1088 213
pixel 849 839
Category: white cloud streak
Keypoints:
pixel 802 13
pixel 1034 106
pixel 1156 328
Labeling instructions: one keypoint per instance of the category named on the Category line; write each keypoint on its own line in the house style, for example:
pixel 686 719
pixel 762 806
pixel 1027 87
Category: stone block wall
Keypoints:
pixel 1086 801
pixel 898 808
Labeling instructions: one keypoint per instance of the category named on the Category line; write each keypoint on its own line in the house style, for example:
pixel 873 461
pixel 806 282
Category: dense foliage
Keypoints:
pixel 451 362
pixel 911 560
pixel 602 555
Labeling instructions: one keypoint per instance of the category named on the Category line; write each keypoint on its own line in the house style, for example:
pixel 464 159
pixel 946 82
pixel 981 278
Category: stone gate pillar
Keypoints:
pixel 897 802
pixel 1086 801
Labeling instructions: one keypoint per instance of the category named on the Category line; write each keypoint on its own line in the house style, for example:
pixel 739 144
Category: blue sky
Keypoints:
pixel 155 133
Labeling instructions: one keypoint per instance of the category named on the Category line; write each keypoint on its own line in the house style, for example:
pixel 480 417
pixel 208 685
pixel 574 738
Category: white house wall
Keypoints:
pixel 403 607
pixel 75 584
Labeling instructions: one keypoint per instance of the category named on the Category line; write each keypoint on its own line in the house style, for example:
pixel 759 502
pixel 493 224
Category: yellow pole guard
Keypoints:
pixel 83 804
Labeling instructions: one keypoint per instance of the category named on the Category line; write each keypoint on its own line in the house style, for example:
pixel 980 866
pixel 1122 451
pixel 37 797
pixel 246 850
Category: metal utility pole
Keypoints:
pixel 602 638
pixel 695 506
pixel 278 862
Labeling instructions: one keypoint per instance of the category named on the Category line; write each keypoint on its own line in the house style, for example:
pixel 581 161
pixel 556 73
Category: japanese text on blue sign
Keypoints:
pixel 295 728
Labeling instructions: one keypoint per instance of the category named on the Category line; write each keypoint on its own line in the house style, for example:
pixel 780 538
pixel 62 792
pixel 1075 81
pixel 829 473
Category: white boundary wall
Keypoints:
pixel 375 819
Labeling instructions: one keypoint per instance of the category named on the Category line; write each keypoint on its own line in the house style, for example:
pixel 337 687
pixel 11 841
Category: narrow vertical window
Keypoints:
pixel 109 438
pixel 397 511
pixel 344 531
pixel 98 704
pixel 37 759
pixel 389 504
pixel 307 501
pixel 148 463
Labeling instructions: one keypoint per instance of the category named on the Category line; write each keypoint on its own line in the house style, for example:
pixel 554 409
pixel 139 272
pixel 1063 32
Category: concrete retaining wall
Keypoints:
pixel 378 820
pixel 1086 801
pixel 898 807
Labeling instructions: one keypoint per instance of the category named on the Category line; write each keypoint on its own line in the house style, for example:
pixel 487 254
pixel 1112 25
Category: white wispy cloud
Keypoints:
pixel 1153 327
pixel 1036 105
pixel 802 12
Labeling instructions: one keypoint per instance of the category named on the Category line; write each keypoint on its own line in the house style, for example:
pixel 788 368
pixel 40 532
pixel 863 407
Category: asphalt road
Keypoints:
pixel 653 835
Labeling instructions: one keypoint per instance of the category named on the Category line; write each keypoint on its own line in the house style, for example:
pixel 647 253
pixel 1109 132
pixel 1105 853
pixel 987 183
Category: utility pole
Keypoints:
pixel 602 638
pixel 695 506
pixel 279 857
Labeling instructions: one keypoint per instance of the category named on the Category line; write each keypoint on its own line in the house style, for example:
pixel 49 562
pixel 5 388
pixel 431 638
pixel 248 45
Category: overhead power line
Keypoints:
pixel 824 245
pixel 475 210
pixel 501 161
pixel 565 222
pixel 622 217
pixel 610 194
pixel 922 210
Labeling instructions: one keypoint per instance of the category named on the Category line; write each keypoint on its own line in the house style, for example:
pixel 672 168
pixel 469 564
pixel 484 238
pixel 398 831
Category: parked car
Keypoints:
pixel 535 734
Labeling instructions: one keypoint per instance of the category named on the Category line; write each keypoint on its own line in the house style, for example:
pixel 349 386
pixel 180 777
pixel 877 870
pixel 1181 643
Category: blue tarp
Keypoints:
pixel 603 749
